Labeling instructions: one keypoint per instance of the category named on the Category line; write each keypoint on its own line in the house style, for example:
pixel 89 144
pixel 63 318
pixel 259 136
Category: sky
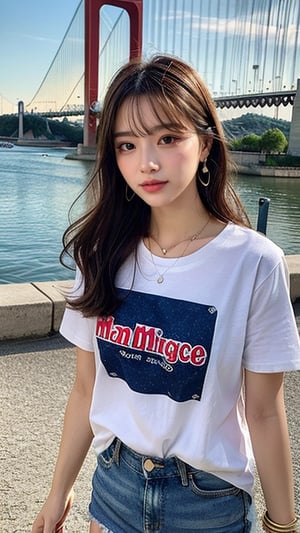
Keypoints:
pixel 30 34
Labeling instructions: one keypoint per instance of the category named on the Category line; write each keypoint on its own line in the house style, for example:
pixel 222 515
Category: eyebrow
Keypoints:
pixel 155 129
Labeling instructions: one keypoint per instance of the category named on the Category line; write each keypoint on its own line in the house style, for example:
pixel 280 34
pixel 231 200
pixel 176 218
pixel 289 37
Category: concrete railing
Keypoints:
pixel 31 309
pixel 36 309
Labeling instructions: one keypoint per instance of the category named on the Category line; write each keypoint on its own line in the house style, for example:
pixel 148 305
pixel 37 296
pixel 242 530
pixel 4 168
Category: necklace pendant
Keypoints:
pixel 160 279
pixel 164 251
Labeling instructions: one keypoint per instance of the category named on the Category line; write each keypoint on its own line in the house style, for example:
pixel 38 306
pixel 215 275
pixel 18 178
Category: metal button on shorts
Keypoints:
pixel 149 465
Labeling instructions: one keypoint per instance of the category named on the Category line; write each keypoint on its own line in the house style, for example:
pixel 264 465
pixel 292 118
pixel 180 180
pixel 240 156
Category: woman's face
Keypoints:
pixel 159 166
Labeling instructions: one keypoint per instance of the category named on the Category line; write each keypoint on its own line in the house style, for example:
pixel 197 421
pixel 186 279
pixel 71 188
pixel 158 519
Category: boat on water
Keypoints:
pixel 4 144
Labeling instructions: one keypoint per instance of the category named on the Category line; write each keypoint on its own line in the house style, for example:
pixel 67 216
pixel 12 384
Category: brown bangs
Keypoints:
pixel 163 110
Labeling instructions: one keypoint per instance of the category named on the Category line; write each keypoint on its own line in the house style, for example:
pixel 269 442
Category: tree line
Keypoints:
pixel 53 130
pixel 272 141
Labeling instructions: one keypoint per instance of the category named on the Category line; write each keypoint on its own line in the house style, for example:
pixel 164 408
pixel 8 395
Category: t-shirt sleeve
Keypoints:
pixel 76 328
pixel 272 339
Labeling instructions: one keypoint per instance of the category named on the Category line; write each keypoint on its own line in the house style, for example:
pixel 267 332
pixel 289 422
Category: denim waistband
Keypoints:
pixel 149 466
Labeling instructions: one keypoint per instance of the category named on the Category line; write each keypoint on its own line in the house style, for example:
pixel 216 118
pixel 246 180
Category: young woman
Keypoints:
pixel 183 326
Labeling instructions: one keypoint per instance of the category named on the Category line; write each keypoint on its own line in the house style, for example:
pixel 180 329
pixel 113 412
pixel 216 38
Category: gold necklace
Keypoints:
pixel 164 251
pixel 160 278
pixel 161 275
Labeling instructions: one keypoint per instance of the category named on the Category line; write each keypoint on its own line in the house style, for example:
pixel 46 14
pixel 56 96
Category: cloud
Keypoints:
pixel 39 38
pixel 228 26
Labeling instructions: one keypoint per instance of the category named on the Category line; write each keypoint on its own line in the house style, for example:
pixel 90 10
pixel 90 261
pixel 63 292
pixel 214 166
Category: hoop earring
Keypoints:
pixel 126 194
pixel 205 172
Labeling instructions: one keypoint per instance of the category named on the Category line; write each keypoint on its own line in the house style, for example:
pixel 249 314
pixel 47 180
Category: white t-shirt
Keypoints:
pixel 169 362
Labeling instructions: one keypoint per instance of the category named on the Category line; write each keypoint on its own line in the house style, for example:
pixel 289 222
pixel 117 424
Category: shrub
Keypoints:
pixel 273 141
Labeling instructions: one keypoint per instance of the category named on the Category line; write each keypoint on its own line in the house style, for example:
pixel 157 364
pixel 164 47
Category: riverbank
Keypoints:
pixel 37 143
pixel 83 153
pixel 254 164
pixel 44 143
pixel 275 172
pixel 34 310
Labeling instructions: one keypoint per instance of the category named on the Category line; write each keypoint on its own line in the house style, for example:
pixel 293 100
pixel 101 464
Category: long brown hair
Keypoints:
pixel 102 239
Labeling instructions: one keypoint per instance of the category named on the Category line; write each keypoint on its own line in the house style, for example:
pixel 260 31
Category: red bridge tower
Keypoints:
pixel 134 9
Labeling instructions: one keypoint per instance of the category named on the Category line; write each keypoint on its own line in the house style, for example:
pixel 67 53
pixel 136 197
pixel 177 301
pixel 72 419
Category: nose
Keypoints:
pixel 149 161
pixel 149 167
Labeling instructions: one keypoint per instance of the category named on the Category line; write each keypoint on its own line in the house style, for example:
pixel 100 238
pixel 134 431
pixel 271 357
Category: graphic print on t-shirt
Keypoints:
pixel 158 345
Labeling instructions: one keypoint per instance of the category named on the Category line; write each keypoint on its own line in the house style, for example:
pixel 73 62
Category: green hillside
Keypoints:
pixel 253 123
pixel 40 127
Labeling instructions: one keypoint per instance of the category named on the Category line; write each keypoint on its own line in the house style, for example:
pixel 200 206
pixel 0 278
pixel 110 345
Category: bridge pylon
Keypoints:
pixel 294 137
pixel 92 20
pixel 21 119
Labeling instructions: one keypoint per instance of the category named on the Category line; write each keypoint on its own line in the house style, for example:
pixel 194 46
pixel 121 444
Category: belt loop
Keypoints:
pixel 182 469
pixel 117 450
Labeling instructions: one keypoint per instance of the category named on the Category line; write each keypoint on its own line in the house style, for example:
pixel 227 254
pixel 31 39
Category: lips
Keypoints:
pixel 153 185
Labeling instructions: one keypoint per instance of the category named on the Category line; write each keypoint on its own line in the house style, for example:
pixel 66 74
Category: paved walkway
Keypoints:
pixel 35 378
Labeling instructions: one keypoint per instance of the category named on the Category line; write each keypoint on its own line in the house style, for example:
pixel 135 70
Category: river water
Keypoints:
pixel 38 185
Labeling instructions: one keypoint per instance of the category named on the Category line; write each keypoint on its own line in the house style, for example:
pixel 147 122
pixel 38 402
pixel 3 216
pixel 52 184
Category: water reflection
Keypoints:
pixel 36 193
pixel 284 210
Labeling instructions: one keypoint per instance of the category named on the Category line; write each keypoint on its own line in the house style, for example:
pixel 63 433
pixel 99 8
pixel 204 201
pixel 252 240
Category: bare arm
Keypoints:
pixel 266 417
pixel 75 442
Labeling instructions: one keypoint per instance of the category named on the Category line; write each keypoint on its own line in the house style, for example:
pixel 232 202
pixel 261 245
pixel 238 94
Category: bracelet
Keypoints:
pixel 273 527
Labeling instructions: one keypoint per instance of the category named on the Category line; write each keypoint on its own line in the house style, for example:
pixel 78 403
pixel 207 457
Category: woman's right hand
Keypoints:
pixel 53 514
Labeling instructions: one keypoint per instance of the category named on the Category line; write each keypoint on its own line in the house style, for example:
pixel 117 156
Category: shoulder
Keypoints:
pixel 253 253
pixel 251 243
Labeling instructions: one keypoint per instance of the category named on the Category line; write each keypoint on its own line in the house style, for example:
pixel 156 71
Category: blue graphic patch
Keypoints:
pixel 158 345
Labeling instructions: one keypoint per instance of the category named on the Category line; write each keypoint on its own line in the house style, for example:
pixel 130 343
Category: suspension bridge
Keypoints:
pixel 248 53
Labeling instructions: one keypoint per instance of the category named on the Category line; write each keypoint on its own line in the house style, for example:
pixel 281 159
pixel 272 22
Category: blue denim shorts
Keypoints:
pixel 133 493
